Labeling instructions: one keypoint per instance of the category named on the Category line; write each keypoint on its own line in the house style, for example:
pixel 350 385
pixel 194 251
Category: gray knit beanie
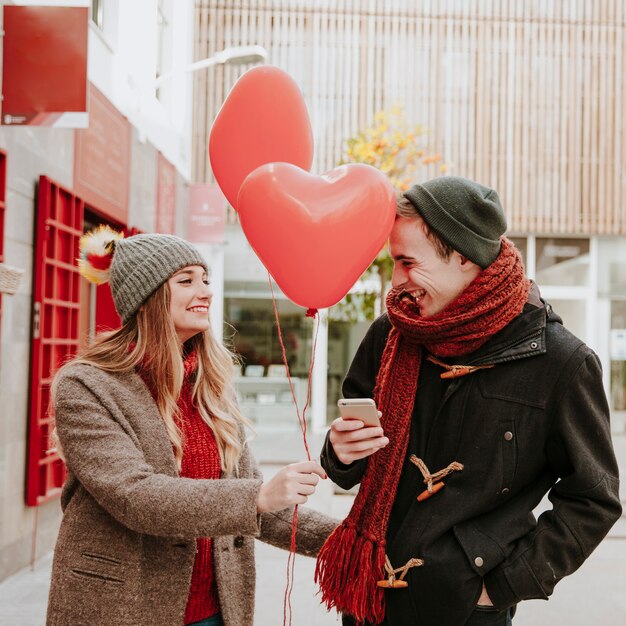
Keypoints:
pixel 142 263
pixel 464 214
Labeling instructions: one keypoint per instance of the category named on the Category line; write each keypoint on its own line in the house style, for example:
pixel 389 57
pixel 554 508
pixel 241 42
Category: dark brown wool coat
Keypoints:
pixel 126 548
pixel 535 423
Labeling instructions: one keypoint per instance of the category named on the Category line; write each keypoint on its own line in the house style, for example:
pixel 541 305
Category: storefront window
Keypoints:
pixel 612 268
pixel 262 384
pixel 618 355
pixel 563 262
pixel 612 286
pixel 343 340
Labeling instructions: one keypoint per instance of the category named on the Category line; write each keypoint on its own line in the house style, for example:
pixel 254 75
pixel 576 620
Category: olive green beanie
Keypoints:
pixel 142 263
pixel 464 214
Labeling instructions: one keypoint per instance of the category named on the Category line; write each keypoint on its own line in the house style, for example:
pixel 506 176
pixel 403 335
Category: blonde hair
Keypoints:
pixel 149 340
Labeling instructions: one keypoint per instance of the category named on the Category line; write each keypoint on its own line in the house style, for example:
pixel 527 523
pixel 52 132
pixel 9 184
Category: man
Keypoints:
pixel 480 388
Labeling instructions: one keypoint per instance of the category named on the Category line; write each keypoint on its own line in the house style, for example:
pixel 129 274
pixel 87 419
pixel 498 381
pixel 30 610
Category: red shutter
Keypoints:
pixel 56 304
pixel 106 315
pixel 3 180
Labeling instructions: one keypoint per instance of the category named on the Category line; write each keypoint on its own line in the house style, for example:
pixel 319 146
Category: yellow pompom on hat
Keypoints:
pixel 96 254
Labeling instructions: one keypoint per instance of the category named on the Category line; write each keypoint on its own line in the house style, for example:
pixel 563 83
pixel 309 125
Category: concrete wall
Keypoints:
pixel 30 152
pixel 122 65
pixel 143 184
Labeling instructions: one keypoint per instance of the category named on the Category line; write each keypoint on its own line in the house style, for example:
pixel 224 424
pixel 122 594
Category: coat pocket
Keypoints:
pixel 101 558
pixel 96 577
pixel 482 552
pixel 98 568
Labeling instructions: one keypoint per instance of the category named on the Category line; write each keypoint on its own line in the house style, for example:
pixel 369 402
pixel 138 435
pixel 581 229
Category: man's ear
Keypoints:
pixel 465 265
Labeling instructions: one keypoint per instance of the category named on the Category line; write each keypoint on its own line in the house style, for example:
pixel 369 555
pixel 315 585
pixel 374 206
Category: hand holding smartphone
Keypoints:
pixel 349 440
pixel 363 409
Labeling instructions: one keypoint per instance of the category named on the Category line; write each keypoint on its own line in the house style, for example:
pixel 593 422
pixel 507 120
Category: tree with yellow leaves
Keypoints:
pixel 397 148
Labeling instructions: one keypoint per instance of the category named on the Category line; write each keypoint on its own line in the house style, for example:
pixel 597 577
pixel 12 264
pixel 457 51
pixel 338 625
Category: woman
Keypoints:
pixel 163 499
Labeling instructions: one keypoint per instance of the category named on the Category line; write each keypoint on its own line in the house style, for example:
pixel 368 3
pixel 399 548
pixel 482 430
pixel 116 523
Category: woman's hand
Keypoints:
pixel 291 485
pixel 352 440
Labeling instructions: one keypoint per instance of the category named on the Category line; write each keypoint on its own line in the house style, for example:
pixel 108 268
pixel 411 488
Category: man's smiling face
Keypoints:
pixel 434 282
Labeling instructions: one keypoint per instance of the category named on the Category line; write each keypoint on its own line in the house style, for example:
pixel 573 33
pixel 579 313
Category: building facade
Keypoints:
pixel 130 169
pixel 526 97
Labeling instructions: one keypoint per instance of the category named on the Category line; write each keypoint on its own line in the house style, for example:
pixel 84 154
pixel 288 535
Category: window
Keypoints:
pixel 262 387
pixel 612 267
pixel 618 355
pixel 343 340
pixel 563 262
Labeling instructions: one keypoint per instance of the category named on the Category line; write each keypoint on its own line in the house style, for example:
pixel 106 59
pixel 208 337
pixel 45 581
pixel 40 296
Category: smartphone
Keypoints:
pixel 363 409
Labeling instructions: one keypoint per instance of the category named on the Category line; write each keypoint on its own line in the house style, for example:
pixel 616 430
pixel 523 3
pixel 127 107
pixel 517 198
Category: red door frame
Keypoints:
pixel 56 296
pixel 55 338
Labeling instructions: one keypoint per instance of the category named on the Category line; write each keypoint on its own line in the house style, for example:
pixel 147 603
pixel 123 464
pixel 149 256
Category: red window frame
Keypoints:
pixel 56 306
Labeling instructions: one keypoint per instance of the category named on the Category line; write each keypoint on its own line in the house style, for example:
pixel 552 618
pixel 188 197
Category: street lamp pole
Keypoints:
pixel 235 55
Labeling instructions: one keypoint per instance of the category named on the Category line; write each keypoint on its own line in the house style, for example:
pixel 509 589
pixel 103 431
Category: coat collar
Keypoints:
pixel 524 337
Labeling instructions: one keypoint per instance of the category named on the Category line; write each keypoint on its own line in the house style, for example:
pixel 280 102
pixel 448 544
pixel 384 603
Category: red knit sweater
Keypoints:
pixel 200 460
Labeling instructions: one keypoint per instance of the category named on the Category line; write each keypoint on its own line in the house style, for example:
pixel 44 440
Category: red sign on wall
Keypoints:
pixel 166 196
pixel 207 213
pixel 44 71
pixel 102 159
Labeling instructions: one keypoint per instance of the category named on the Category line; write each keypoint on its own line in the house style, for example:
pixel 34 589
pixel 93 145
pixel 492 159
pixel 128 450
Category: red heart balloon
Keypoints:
pixel 263 119
pixel 316 234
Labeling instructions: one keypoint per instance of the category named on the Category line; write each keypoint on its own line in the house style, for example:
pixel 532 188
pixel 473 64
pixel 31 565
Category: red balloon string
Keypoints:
pixel 291 560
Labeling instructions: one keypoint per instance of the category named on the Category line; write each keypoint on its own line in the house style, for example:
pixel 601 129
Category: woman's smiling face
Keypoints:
pixel 190 299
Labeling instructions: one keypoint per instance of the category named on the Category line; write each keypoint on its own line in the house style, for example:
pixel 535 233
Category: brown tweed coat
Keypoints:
pixel 126 547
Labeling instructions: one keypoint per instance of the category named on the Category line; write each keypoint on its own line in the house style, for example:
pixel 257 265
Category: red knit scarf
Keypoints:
pixel 201 460
pixel 352 559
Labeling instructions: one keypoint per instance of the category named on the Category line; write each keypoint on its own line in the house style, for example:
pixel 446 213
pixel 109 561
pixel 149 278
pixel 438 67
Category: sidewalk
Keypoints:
pixel 593 595
pixel 23 597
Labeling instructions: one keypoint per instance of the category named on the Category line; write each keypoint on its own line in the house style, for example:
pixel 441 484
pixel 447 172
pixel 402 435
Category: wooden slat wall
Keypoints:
pixel 525 96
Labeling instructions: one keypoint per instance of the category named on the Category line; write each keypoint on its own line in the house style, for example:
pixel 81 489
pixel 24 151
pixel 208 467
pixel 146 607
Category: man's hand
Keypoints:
pixel 351 441
pixel 484 599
